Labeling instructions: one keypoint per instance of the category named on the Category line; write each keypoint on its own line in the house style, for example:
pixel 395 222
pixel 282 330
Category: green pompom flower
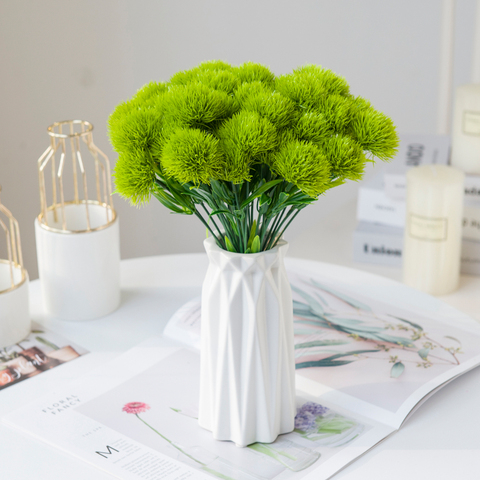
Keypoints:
pixel 312 126
pixel 304 90
pixel 244 137
pixel 279 110
pixel 149 92
pixel 243 150
pixel 133 130
pixel 197 106
pixel 337 111
pixel 304 165
pixel 375 132
pixel 345 156
pixel 192 155
pixel 222 80
pixel 331 83
pixel 255 72
pixel 134 177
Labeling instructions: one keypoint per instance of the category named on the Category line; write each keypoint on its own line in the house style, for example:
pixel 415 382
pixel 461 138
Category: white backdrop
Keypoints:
pixel 77 59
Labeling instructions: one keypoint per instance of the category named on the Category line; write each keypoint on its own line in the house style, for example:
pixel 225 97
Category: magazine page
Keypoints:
pixel 360 352
pixel 136 418
pixel 42 350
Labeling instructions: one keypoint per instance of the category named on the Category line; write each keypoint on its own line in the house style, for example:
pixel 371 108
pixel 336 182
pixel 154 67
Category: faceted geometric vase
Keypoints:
pixel 247 369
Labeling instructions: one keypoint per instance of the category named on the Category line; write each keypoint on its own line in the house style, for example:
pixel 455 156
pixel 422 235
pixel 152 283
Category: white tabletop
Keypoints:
pixel 439 441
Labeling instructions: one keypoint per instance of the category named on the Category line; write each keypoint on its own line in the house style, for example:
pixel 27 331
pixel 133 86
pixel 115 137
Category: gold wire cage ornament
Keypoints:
pixel 64 136
pixel 14 259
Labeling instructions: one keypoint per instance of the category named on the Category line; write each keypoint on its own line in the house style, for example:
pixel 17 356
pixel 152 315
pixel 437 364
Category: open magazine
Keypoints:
pixel 363 365
pixel 40 351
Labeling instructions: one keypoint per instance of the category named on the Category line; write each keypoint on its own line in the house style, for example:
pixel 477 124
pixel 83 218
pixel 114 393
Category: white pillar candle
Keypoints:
pixel 466 129
pixel 433 228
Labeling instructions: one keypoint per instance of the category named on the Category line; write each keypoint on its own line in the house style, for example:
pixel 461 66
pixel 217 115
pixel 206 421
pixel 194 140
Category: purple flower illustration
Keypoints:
pixel 304 421
pixel 314 408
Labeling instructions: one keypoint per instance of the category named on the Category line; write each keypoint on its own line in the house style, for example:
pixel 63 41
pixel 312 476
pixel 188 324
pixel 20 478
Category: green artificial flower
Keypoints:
pixel 244 137
pixel 149 92
pixel 313 126
pixel 132 130
pixel 304 90
pixel 255 72
pixel 217 65
pixel 337 111
pixel 345 156
pixel 243 150
pixel 375 132
pixel 303 164
pixel 279 110
pixel 331 83
pixel 192 155
pixel 134 175
pixel 197 106
pixel 222 80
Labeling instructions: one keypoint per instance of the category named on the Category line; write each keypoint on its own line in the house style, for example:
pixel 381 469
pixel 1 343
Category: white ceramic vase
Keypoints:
pixel 80 271
pixel 14 311
pixel 247 379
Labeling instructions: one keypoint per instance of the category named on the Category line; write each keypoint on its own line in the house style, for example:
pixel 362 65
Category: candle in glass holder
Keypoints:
pixel 466 129
pixel 433 228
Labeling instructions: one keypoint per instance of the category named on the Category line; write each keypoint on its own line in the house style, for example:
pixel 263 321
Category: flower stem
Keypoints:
pixel 169 441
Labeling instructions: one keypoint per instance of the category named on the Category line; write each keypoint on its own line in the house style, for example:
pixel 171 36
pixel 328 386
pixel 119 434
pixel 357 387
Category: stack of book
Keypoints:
pixel 378 237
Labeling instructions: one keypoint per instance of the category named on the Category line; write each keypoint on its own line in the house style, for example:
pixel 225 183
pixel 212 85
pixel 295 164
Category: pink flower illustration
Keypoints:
pixel 135 407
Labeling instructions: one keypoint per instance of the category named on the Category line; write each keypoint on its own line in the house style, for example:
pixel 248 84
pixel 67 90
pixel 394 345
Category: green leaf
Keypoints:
pixel 240 214
pixel 314 305
pixel 164 199
pixel 397 369
pixel 392 339
pixel 313 320
pixel 453 338
pixel 229 245
pixel 332 360
pixel 256 244
pixel 222 212
pixel 253 232
pixel 259 191
pixel 320 343
pixel 264 200
pixel 424 353
pixel 322 363
pixel 414 325
pixel 353 352
pixel 300 307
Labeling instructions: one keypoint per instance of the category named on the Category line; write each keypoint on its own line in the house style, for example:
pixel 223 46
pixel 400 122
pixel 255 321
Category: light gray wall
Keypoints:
pixel 69 59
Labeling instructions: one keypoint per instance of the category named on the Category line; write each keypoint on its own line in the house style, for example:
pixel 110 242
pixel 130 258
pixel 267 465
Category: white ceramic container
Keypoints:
pixel 14 312
pixel 247 380
pixel 79 270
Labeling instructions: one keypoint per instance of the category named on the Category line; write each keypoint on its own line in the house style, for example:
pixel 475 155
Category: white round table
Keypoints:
pixel 439 441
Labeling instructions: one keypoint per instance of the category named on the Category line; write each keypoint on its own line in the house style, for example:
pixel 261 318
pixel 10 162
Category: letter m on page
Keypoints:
pixel 108 452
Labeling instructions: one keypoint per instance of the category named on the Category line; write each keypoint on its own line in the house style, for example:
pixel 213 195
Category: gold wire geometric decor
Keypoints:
pixel 14 260
pixel 72 149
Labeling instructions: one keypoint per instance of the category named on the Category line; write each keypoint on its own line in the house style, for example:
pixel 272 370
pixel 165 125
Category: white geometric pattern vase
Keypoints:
pixel 247 369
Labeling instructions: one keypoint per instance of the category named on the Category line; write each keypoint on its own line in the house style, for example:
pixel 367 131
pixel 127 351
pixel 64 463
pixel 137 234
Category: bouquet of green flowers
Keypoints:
pixel 244 150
